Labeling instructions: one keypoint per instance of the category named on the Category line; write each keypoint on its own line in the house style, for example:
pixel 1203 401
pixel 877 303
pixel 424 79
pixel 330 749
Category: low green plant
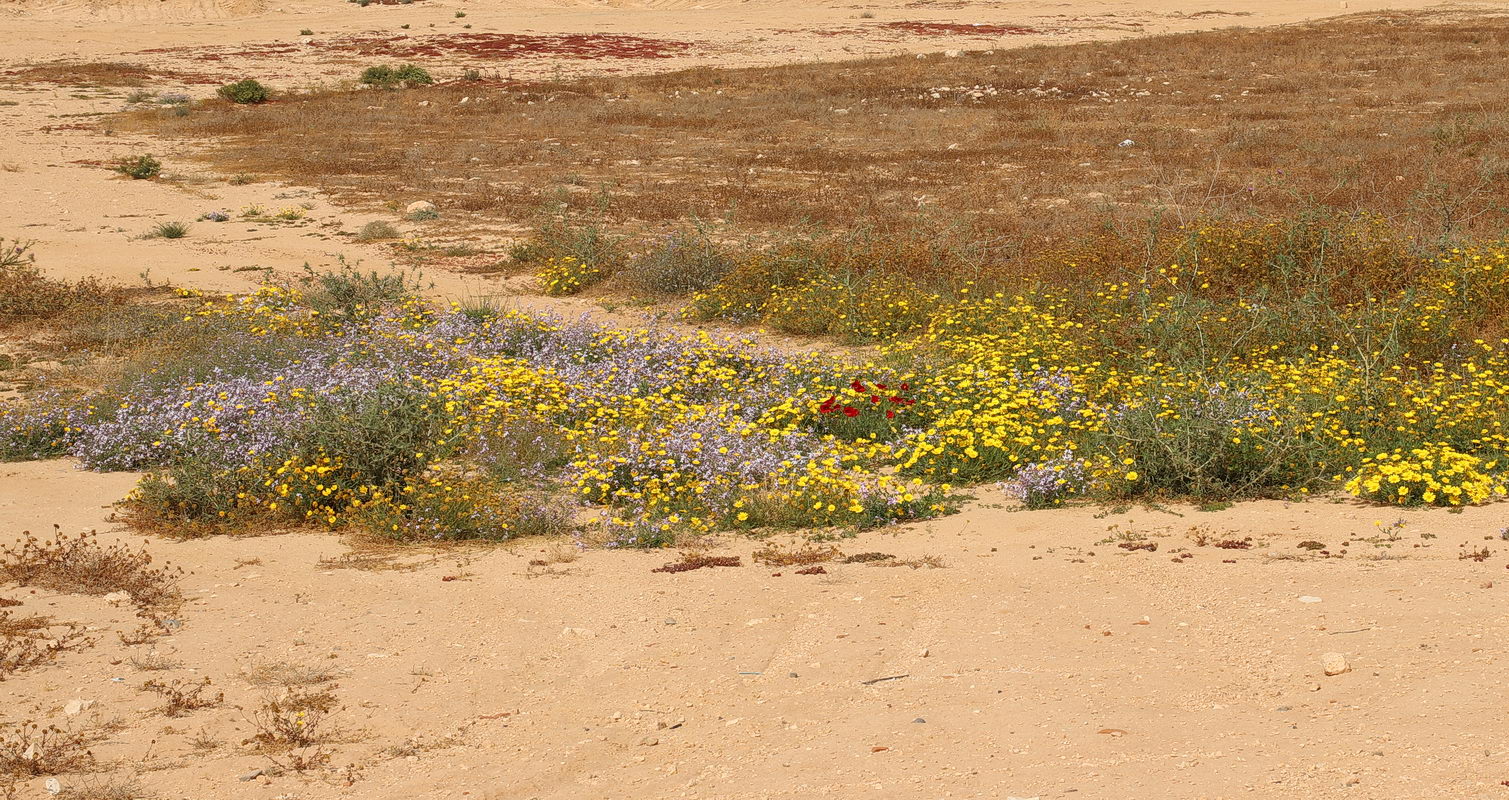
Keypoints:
pixel 140 167
pixel 169 230
pixel 246 91
pixel 389 77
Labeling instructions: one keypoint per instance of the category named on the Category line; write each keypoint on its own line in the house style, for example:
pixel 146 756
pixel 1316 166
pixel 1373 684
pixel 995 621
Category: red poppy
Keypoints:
pixel 874 399
pixel 857 386
pixel 851 411
pixel 827 406
pixel 905 387
pixel 889 414
pixel 880 386
pixel 897 399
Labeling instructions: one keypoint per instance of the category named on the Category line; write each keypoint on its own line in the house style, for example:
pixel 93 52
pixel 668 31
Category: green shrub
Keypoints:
pixel 243 91
pixel 679 264
pixel 587 244
pixel 140 167
pixel 388 77
pixel 169 230
pixel 347 293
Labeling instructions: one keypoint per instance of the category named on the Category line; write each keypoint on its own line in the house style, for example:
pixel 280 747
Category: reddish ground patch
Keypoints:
pixel 503 46
pixel 958 29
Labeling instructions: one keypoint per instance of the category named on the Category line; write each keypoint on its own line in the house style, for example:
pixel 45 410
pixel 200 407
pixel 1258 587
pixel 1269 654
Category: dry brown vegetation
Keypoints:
pixel 81 565
pixel 1391 114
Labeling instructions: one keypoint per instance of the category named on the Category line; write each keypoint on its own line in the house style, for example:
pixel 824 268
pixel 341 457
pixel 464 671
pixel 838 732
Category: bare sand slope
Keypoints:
pixel 1040 661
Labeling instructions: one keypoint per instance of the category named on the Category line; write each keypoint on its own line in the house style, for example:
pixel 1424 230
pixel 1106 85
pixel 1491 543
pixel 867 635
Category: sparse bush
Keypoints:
pixel 587 244
pixel 294 728
pixel 376 231
pixel 140 167
pixel 30 749
pixel 244 92
pixel 33 640
pixel 306 32
pixel 181 696
pixel 80 564
pixel 678 264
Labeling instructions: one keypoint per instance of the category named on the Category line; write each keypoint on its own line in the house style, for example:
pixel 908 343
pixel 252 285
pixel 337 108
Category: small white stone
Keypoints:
pixel 1305 598
pixel 419 206
pixel 1334 663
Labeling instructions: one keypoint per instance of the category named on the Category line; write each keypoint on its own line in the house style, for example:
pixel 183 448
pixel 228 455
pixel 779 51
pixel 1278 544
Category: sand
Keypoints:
pixel 1041 660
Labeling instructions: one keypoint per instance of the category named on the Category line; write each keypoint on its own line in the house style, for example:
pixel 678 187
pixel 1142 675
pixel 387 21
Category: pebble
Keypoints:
pixel 919 720
pixel 1305 598
pixel 77 706
pixel 1334 663
pixel 418 206
pixel 251 776
pixel 578 633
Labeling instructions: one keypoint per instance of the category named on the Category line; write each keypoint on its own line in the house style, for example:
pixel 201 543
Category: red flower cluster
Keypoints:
pixel 879 393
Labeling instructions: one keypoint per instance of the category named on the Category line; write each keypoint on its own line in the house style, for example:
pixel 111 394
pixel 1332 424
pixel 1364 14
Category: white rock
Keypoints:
pixel 1126 143
pixel 117 598
pixel 418 206
pixel 1305 598
pixel 423 103
pixel 77 706
pixel 952 53
pixel 52 786
pixel 578 633
pixel 1334 663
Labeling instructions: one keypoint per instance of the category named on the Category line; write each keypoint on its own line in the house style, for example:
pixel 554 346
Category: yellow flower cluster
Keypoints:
pixel 567 275
pixel 1431 475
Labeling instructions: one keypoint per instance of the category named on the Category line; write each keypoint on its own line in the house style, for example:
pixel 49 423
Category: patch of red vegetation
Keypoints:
pixel 506 46
pixel 958 29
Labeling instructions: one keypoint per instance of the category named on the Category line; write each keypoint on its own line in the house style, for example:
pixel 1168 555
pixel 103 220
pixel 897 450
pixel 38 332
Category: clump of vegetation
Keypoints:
pixel 169 230
pixel 80 564
pixel 29 641
pixel 141 167
pixel 181 696
pixel 294 729
pixel 244 92
pixel 390 77
pixel 679 264
pixel 691 561
pixel 776 556
pixel 376 231
pixel 564 276
pixel 30 749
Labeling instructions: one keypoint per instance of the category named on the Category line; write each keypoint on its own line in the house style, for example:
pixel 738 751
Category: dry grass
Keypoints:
pixel 30 749
pixel 1395 114
pixel 287 674
pixel 81 565
pixel 93 73
pixel 33 640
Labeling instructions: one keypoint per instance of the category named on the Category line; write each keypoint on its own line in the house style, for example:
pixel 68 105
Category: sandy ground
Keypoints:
pixel 1041 661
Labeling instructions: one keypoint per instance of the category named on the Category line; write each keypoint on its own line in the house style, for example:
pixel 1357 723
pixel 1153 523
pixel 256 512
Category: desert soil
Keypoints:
pixel 1041 659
